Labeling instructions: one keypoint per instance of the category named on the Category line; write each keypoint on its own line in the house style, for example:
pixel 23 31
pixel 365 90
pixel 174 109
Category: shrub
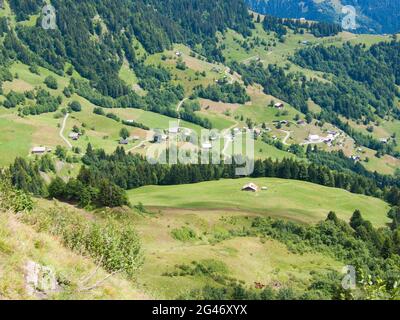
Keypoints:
pixel 184 234
pixel 12 199
pixel 116 246
pixel 75 106
pixel 51 82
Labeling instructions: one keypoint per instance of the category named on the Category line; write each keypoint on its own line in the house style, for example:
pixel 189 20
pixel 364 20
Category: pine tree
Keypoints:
pixel 387 248
pixel 356 220
pixel 332 217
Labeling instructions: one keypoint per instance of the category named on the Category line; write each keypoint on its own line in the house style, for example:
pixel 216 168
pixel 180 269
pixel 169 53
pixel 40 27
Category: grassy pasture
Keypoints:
pixel 248 259
pixel 15 140
pixel 289 199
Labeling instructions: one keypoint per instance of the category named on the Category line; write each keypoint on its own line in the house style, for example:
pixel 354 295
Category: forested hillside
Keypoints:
pixel 95 36
pixel 372 15
pixel 377 69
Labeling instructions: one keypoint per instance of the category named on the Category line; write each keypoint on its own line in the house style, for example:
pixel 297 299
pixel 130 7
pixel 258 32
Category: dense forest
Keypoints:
pixel 116 24
pixel 318 29
pixel 376 69
pixel 275 82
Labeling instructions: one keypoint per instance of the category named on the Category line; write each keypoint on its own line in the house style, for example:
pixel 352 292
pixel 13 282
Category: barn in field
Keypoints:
pixel 38 150
pixel 250 187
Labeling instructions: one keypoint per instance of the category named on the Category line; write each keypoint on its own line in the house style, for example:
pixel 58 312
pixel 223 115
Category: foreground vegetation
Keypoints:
pixel 212 270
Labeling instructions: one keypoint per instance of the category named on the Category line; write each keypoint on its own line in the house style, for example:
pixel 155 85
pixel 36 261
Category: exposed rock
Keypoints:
pixel 40 280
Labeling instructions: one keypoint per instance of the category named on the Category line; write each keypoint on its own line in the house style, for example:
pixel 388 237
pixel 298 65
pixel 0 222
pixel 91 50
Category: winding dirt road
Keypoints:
pixel 62 131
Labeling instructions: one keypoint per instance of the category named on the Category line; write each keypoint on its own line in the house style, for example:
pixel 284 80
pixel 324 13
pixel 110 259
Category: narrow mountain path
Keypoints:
pixel 250 58
pixel 228 139
pixel 178 108
pixel 284 141
pixel 62 131
pixel 139 145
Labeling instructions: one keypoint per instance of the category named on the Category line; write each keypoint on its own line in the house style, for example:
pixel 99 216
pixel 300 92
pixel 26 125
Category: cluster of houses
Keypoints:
pixel 161 136
pixel 331 136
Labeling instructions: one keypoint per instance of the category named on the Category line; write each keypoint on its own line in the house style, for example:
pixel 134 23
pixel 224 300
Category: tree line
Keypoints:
pixel 281 25
pixel 119 171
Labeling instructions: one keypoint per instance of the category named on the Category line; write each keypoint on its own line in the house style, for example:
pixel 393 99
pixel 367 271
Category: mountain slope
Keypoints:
pixel 373 16
pixel 20 243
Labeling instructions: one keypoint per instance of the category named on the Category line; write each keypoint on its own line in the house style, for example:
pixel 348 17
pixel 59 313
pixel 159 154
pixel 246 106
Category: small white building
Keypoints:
pixel 74 136
pixel 314 138
pixel 252 187
pixel 38 150
pixel 279 105
pixel 124 141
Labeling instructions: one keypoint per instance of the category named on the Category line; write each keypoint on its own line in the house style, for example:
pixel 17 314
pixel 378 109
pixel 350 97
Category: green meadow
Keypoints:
pixel 15 140
pixel 289 199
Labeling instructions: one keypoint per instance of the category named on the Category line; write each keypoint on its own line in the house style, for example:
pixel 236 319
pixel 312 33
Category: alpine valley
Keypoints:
pixel 89 89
